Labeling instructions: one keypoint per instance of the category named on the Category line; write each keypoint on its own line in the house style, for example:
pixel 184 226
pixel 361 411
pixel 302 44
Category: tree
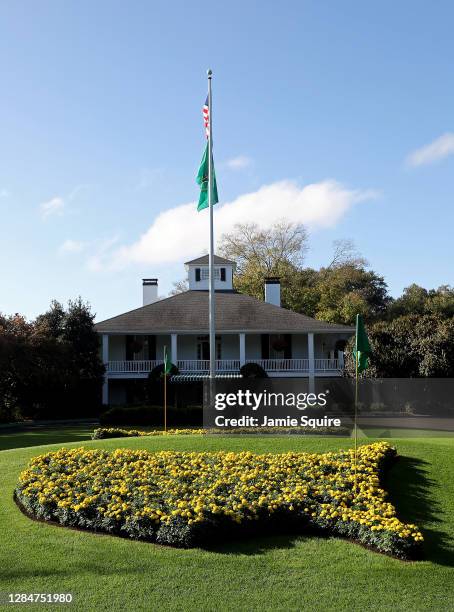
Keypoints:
pixel 52 322
pixel 441 301
pixel 348 289
pixel 179 287
pixel 265 249
pixel 51 367
pixel 345 253
pixel 417 300
pixel 258 253
pixel 412 301
pixel 335 293
pixel 411 346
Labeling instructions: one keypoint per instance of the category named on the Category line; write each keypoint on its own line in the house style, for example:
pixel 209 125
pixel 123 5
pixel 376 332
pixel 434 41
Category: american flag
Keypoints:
pixel 206 117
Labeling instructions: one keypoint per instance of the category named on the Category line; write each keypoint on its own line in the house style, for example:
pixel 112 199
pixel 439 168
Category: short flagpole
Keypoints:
pixel 165 389
pixel 211 297
pixel 356 406
pixel 355 424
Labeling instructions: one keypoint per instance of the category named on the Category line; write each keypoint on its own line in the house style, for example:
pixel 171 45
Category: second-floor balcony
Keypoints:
pixel 201 366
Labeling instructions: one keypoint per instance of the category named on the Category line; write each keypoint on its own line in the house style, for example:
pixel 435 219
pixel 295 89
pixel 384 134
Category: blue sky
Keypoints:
pixel 337 114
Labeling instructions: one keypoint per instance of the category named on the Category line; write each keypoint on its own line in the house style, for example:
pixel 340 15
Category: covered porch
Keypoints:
pixel 135 356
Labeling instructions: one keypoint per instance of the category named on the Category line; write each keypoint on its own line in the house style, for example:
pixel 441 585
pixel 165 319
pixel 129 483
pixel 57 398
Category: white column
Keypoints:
pixel 311 357
pixel 340 357
pixel 105 360
pixel 242 349
pixel 173 348
pixel 310 353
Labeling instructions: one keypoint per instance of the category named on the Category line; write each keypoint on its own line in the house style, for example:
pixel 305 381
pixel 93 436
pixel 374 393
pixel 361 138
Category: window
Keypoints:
pixel 205 273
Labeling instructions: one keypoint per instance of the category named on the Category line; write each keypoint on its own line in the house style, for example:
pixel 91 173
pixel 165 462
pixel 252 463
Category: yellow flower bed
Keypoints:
pixel 186 498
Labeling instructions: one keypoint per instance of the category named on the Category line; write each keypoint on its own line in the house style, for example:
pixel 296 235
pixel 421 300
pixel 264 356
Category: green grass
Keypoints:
pixel 44 435
pixel 268 573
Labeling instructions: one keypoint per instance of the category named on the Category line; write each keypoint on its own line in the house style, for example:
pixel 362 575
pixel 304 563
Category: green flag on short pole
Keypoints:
pixel 361 353
pixel 362 349
pixel 167 362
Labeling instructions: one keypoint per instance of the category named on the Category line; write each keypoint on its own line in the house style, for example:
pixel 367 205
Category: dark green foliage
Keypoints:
pixel 50 368
pixel 409 346
pixel 157 373
pixel 152 415
pixel 417 300
pixel 253 370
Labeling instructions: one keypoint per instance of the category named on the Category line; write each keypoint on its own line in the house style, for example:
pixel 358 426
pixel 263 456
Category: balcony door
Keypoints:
pixel 203 348
pixel 276 346
pixel 140 347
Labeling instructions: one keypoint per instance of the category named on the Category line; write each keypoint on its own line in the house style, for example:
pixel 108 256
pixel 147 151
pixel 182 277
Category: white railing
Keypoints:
pixel 203 365
pixel 327 365
pixel 225 365
pixel 282 365
pixel 125 367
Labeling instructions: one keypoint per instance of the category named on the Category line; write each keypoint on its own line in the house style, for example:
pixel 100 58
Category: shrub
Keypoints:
pixel 188 498
pixel 253 370
pixel 158 372
pixel 151 415
pixel 115 432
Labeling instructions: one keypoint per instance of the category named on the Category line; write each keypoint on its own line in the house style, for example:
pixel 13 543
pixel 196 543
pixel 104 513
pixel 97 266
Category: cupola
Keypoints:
pixel 199 274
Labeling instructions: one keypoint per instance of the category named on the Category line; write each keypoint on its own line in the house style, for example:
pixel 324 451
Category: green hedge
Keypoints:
pixel 152 416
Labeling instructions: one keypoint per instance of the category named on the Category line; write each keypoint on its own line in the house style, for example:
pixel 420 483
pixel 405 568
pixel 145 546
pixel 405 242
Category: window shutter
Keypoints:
pixel 129 351
pixel 197 274
pixel 152 347
pixel 288 346
pixel 222 274
pixel 265 338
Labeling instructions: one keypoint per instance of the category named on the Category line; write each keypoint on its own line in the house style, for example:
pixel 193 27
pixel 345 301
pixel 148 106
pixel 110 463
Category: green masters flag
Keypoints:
pixel 202 180
pixel 167 363
pixel 362 346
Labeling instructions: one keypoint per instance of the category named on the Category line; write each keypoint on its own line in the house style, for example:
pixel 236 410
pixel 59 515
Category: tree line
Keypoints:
pixel 50 367
pixel 411 335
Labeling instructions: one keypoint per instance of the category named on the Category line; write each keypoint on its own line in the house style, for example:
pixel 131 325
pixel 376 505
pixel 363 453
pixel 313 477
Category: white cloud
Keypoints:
pixel 433 152
pixel 238 163
pixel 181 233
pixel 55 206
pixel 59 204
pixel 72 246
pixel 97 262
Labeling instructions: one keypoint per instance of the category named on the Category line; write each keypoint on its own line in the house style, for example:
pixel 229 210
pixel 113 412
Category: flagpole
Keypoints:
pixel 165 389
pixel 211 297
pixel 356 405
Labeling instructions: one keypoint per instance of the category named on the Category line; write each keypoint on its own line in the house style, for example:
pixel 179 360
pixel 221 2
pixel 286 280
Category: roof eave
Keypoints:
pixel 226 331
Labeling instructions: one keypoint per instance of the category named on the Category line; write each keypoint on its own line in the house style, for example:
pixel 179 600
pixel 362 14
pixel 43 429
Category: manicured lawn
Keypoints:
pixel 270 573
pixel 44 435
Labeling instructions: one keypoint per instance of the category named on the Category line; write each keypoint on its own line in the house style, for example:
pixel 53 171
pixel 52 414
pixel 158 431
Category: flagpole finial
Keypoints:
pixel 209 73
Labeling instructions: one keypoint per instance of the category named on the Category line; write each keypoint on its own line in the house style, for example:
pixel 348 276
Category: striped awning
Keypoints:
pixel 196 377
